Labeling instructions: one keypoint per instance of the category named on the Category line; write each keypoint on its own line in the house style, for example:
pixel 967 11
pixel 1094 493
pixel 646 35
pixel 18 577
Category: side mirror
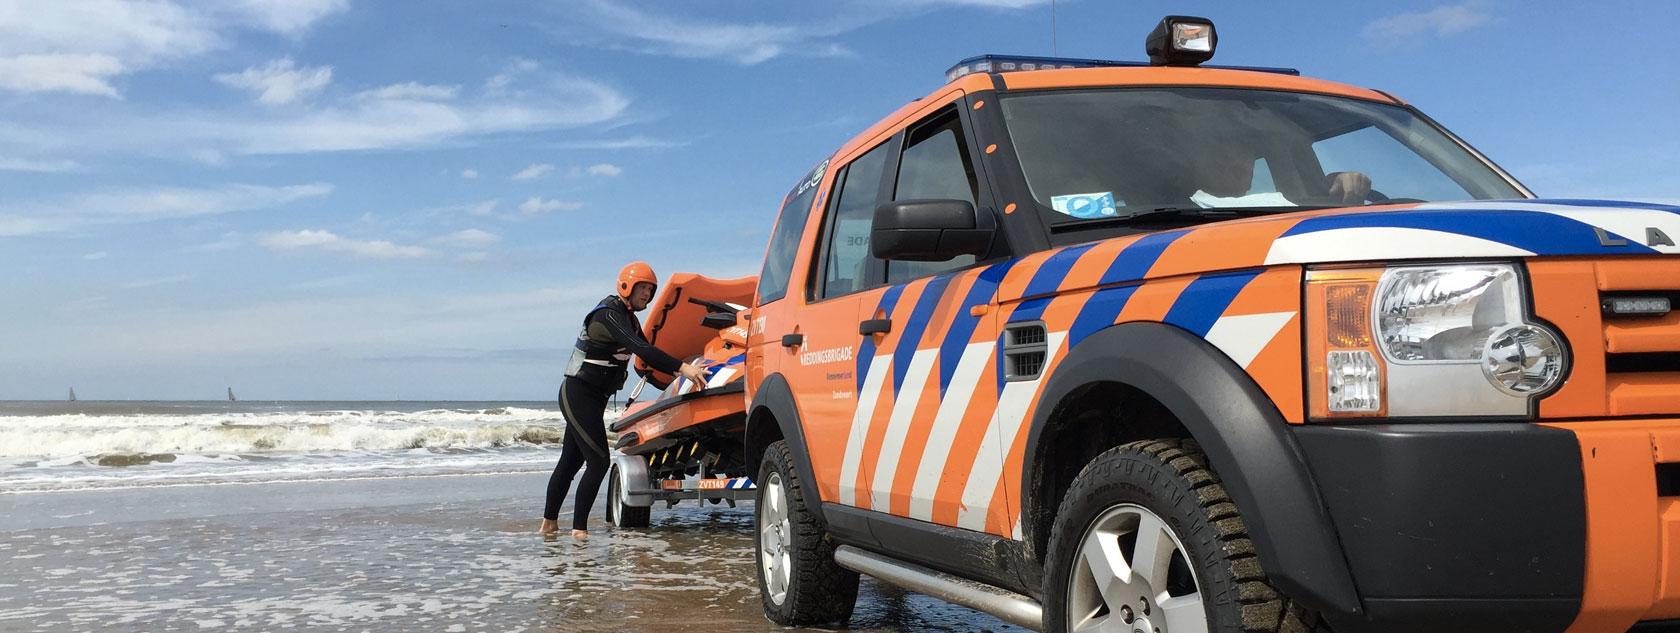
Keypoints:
pixel 929 231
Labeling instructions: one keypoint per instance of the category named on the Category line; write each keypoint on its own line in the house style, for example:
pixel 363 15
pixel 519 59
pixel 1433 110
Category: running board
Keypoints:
pixel 1008 606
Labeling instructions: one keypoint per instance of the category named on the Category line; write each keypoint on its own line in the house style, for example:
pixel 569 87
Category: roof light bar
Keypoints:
pixel 1018 63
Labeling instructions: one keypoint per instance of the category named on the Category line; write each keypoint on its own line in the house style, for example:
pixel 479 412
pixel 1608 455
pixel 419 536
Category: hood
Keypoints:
pixel 1456 230
pixel 1498 228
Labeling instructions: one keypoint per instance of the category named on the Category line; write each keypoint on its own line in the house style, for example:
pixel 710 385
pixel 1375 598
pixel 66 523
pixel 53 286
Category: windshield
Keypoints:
pixel 1116 153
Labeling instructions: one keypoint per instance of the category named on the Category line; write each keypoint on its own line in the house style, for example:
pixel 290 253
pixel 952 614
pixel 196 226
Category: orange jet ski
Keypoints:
pixel 686 442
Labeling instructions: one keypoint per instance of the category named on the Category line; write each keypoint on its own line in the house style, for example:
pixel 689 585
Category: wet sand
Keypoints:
pixel 450 553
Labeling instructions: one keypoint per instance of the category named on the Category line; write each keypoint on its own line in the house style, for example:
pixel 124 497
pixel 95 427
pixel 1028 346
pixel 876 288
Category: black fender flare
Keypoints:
pixel 774 398
pixel 1246 440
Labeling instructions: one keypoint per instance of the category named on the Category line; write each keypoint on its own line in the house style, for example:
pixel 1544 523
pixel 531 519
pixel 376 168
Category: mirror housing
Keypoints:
pixel 929 231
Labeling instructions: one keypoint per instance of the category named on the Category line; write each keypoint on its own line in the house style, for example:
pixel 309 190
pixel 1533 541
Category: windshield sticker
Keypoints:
pixel 1085 205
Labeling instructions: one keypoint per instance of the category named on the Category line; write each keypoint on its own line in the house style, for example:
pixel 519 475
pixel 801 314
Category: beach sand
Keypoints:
pixel 436 553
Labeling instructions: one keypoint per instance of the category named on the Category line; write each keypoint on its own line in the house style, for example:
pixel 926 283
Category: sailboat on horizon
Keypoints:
pixel 72 394
pixel 230 395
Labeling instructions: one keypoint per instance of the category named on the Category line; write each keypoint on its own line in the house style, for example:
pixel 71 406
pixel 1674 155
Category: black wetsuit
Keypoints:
pixel 599 366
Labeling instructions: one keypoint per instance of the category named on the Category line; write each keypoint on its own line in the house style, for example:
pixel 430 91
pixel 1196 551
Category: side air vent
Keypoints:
pixel 1024 350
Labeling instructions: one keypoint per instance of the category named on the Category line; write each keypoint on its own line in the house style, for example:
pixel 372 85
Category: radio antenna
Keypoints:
pixel 1052 28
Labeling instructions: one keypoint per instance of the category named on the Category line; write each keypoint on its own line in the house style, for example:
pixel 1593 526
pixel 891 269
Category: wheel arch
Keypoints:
pixel 1213 401
pixel 771 416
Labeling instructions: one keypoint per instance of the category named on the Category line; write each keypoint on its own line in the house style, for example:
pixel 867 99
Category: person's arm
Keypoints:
pixel 630 337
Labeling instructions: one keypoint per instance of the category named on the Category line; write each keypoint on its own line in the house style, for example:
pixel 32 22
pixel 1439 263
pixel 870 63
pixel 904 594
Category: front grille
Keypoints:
pixel 1624 364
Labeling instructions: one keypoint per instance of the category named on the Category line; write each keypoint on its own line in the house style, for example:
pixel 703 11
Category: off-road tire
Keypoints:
pixel 618 514
pixel 1171 478
pixel 819 591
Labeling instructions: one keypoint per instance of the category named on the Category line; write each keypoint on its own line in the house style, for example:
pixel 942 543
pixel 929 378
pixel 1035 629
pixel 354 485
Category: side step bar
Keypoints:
pixel 1008 606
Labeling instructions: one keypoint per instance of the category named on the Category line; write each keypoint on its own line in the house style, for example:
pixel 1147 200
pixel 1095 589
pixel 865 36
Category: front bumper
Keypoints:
pixel 1502 526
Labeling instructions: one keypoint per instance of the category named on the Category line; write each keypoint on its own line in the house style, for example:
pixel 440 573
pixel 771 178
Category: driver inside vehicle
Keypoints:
pixel 1225 177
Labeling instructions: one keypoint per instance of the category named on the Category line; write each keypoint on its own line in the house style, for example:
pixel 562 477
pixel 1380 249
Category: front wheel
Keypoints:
pixel 1147 540
pixel 619 514
pixel 798 580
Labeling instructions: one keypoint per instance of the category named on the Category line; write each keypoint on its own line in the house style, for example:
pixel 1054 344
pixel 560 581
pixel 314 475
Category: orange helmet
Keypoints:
pixel 635 273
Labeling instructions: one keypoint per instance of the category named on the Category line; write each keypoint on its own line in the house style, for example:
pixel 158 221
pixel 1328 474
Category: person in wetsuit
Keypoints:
pixel 599 365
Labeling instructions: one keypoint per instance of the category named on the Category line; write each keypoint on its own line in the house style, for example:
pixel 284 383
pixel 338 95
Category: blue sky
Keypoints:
pixel 336 199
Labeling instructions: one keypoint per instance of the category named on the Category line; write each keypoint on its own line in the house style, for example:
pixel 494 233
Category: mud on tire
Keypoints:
pixel 1171 479
pixel 815 590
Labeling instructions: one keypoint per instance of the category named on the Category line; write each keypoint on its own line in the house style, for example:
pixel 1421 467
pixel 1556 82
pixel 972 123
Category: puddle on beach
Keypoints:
pixel 446 567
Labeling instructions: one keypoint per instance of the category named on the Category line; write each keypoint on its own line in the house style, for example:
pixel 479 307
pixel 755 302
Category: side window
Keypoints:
pixel 935 166
pixel 847 262
pixel 784 241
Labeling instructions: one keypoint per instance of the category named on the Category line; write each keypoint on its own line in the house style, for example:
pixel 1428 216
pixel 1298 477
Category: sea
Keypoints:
pixel 48 446
pixel 381 517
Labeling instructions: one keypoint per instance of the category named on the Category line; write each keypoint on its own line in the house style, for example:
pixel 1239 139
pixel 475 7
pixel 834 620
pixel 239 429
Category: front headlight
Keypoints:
pixel 1454 340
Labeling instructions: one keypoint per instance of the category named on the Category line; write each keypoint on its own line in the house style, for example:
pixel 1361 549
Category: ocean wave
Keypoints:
pixel 259 435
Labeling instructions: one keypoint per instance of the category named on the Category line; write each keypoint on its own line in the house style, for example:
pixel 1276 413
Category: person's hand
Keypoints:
pixel 1348 187
pixel 692 372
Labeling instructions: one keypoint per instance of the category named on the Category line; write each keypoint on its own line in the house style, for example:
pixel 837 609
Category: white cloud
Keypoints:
pixel 411 91
pixel 748 43
pixel 483 208
pixel 1440 21
pixel 603 169
pixel 287 17
pixel 532 101
pixel 146 205
pixel 229 241
pixel 331 242
pixel 468 238
pixel 535 205
pixel 280 81
pixel 662 34
pixel 535 171
pixel 39 166
pixel 469 173
pixel 95 256
pixel 79 47
pixel 75 73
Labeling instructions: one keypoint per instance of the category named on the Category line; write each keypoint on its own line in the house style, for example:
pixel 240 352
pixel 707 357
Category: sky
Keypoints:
pixel 344 199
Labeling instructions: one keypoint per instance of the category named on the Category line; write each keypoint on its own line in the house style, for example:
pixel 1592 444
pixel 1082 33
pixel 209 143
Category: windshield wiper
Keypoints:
pixel 1199 214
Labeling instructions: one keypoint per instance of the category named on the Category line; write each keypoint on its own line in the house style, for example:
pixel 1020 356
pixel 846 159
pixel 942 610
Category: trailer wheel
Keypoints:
pixel 1147 540
pixel 619 514
pixel 798 580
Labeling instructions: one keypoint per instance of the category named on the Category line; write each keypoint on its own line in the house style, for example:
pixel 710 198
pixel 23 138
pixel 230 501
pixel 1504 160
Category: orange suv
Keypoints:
pixel 1164 348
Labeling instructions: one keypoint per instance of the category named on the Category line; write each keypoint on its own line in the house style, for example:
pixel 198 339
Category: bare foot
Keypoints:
pixel 549 526
pixel 580 535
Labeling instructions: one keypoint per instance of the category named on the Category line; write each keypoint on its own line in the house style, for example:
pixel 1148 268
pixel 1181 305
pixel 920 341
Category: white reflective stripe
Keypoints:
pixel 898 427
pixel 721 378
pixel 598 362
pixel 1243 336
pixel 1382 242
pixel 983 478
pixel 866 397
pixel 945 425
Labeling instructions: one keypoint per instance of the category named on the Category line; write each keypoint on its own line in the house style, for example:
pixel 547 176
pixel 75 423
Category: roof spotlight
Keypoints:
pixel 1181 40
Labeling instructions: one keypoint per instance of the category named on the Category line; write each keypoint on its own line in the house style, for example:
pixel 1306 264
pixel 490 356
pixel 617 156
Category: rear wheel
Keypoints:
pixel 1147 540
pixel 619 514
pixel 798 580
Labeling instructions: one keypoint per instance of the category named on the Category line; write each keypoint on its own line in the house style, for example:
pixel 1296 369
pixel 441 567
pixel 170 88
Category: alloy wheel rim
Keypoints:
pixel 773 531
pixel 1133 575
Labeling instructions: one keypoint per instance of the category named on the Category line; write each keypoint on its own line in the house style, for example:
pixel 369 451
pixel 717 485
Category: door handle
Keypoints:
pixel 793 340
pixel 875 326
